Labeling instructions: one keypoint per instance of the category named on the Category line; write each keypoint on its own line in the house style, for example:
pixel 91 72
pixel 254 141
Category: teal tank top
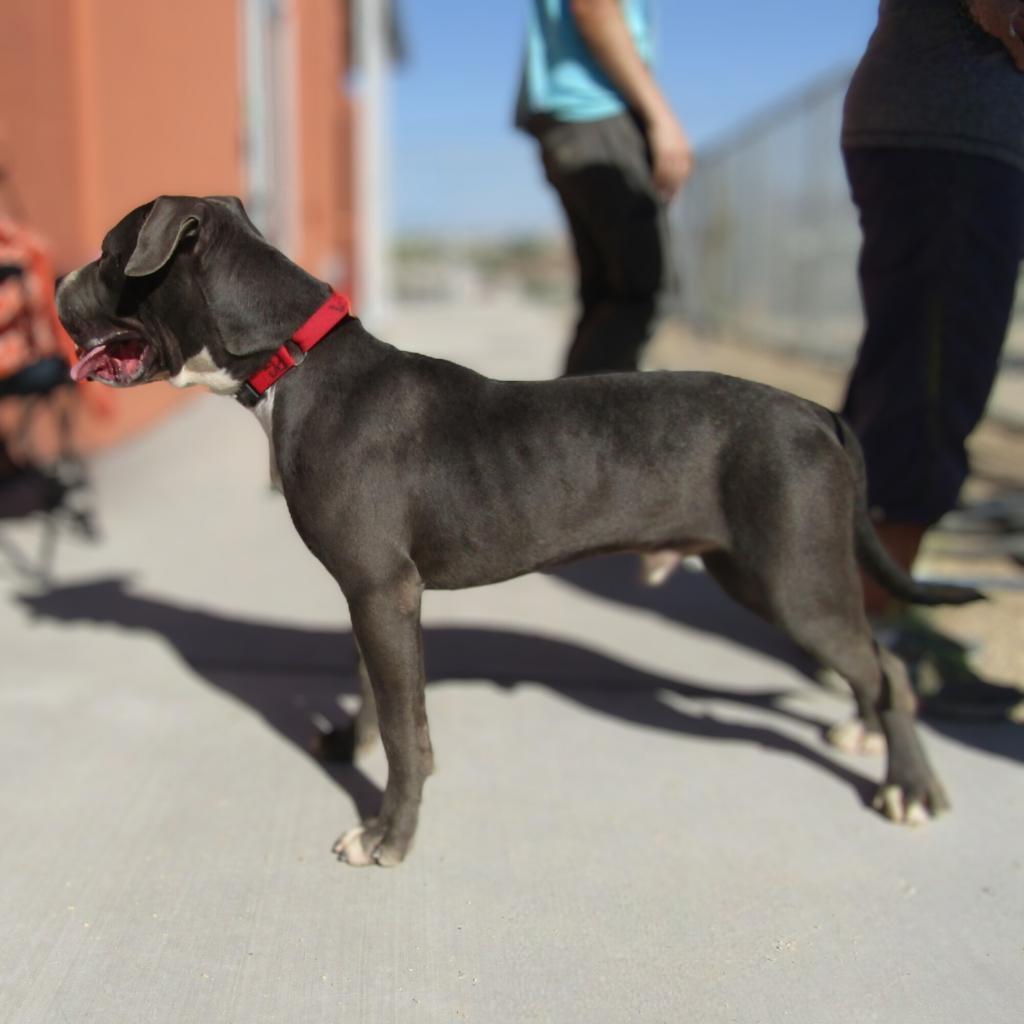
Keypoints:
pixel 560 76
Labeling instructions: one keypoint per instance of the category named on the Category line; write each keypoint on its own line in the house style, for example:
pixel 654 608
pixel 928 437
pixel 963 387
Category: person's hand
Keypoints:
pixel 671 154
pixel 1003 19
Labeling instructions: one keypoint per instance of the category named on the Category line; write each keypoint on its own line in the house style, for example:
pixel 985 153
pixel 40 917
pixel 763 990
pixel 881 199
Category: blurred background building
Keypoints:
pixel 294 106
pixel 122 101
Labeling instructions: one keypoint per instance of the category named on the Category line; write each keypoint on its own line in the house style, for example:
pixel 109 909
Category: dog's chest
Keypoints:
pixel 202 369
pixel 264 412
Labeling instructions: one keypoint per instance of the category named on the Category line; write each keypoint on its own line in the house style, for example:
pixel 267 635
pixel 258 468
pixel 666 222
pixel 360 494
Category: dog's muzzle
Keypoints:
pixel 120 360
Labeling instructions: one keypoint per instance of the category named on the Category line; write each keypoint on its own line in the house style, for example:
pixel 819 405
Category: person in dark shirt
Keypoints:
pixel 933 140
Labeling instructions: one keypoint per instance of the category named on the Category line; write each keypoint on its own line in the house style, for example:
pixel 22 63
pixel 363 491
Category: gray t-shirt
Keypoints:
pixel 931 78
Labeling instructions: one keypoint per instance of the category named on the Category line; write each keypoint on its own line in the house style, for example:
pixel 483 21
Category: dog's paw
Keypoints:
pixel 911 805
pixel 368 844
pixel 854 737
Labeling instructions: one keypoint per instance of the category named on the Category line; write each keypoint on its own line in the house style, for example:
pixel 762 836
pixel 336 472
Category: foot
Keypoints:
pixel 372 842
pixel 854 737
pixel 911 805
pixel 912 793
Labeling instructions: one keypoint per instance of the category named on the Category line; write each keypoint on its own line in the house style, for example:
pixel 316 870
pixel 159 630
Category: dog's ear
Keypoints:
pixel 166 224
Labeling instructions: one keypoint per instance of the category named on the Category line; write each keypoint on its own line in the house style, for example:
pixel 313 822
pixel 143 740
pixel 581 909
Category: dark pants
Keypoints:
pixel 602 173
pixel 943 237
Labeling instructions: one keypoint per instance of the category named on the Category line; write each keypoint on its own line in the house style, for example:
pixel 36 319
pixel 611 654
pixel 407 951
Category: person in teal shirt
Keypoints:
pixel 615 153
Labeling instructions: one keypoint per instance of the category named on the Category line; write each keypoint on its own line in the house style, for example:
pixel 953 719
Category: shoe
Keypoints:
pixel 943 680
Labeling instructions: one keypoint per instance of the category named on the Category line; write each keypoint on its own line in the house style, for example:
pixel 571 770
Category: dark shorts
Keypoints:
pixel 601 171
pixel 943 237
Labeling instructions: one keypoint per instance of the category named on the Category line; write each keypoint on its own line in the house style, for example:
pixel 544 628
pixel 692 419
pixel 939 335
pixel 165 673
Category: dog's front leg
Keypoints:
pixel 386 622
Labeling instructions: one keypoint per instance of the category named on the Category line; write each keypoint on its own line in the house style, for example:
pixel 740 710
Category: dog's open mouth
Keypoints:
pixel 121 361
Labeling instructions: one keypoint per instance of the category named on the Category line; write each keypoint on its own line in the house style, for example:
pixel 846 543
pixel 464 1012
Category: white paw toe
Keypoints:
pixel 917 814
pixel 891 803
pixel 350 848
pixel 853 738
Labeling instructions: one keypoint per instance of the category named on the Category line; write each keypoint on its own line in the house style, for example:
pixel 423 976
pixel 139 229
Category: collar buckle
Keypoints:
pixel 247 395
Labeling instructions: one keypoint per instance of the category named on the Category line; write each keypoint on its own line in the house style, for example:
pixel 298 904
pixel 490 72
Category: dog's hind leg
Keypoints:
pixel 819 606
pixel 345 743
pixel 386 621
pixel 911 792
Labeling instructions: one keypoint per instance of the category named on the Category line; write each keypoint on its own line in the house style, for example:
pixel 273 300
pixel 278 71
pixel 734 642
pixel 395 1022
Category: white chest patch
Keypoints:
pixel 201 369
pixel 264 412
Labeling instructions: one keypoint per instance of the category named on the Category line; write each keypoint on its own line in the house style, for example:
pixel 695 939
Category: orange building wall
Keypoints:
pixel 324 202
pixel 38 139
pixel 158 103
pixel 110 102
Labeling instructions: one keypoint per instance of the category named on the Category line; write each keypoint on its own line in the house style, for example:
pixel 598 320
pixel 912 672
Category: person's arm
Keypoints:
pixel 1003 19
pixel 604 30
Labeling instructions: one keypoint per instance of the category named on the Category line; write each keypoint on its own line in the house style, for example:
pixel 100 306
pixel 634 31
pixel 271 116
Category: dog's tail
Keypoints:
pixel 871 554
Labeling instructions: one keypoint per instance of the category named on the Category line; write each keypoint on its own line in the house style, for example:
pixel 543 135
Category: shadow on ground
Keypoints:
pixel 293 676
pixel 695 599
pixel 689 597
pixel 54 499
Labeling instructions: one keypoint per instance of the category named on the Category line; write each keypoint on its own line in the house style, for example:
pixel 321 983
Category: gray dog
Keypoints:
pixel 403 473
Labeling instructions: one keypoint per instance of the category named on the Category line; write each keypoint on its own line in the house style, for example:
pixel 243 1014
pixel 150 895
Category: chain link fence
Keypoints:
pixel 767 237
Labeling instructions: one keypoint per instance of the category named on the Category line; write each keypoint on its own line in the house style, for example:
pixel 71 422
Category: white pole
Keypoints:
pixel 373 165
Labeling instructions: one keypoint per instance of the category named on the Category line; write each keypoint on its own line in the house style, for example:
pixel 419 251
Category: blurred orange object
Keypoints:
pixel 29 328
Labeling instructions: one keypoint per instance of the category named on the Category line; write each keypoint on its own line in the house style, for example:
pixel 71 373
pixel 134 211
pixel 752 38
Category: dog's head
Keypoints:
pixel 183 290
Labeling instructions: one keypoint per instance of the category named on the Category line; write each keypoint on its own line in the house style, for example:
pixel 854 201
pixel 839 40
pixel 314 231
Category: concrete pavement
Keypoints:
pixel 635 817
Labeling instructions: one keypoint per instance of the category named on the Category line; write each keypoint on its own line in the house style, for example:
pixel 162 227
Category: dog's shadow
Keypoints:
pixel 688 597
pixel 292 676
pixel 696 600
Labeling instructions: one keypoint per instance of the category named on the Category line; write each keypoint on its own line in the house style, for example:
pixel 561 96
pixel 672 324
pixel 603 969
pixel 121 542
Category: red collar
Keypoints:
pixel 311 333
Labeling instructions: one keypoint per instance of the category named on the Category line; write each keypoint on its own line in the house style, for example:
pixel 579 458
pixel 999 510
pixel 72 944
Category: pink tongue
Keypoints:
pixel 88 363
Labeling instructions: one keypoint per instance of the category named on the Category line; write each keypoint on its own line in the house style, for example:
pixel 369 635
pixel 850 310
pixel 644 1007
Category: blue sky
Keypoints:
pixel 460 167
